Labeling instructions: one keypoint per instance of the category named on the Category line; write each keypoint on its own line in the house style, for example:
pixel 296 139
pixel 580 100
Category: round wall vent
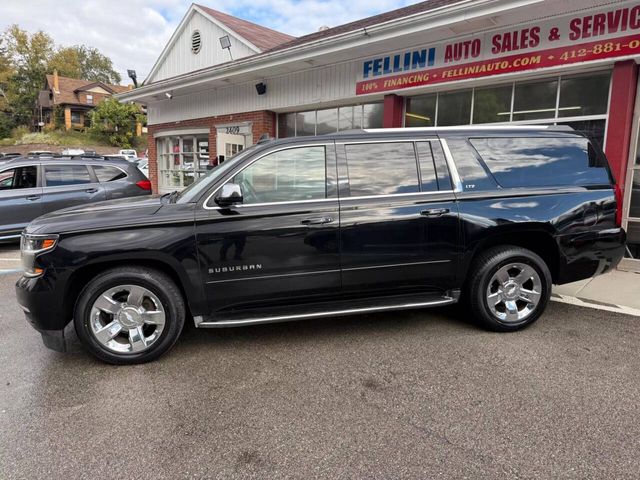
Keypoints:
pixel 196 41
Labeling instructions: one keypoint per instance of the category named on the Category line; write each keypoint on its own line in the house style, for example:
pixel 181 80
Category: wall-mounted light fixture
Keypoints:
pixel 134 78
pixel 261 88
pixel 225 43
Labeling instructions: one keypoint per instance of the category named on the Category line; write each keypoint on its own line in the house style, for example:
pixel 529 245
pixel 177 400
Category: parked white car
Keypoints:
pixel 143 166
pixel 130 155
pixel 73 151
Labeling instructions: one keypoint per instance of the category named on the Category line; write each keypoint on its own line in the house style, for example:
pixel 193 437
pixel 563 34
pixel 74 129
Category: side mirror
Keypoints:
pixel 230 194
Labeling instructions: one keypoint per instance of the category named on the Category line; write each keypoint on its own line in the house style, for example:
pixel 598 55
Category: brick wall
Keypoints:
pixel 263 121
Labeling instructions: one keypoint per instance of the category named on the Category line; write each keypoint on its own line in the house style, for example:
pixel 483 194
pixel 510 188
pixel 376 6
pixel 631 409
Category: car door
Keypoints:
pixel 281 242
pixel 398 216
pixel 67 185
pixel 20 198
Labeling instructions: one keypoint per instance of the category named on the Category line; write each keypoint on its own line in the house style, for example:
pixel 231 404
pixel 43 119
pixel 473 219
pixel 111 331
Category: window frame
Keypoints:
pixel 453 172
pixel 209 202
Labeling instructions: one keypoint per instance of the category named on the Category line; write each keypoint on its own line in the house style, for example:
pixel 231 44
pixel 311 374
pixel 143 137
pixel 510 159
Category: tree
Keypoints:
pixel 29 55
pixel 115 122
pixel 85 63
pixel 6 72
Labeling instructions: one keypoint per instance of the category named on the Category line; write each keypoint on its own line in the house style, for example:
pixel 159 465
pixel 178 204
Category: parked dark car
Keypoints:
pixel 312 227
pixel 33 186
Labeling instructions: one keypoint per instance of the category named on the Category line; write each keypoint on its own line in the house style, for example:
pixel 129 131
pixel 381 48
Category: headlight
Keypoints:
pixel 30 247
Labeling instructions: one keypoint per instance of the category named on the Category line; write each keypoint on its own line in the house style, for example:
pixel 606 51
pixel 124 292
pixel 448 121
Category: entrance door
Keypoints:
pixel 281 242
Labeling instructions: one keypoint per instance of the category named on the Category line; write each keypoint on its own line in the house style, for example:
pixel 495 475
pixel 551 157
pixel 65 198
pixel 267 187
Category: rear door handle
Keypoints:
pixel 33 198
pixel 91 190
pixel 316 221
pixel 435 212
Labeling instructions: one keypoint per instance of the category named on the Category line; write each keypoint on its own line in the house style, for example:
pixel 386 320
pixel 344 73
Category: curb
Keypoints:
pixel 587 303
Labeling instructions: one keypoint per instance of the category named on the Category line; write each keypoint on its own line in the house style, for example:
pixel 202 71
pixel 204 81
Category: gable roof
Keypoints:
pixel 262 37
pixel 367 22
pixel 69 87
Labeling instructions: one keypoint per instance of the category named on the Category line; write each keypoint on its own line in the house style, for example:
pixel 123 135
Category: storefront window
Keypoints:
pixel 633 239
pixel 593 129
pixel 547 102
pixel 421 111
pixel 535 100
pixel 584 95
pixel 182 159
pixel 372 115
pixel 349 118
pixel 492 105
pixel 331 120
pixel 454 108
pixel 327 121
pixel 305 123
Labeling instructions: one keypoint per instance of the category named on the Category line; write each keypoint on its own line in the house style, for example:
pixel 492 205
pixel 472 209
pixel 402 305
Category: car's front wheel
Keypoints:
pixel 509 288
pixel 129 315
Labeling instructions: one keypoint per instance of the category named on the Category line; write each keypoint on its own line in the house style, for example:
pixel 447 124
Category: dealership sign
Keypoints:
pixel 584 37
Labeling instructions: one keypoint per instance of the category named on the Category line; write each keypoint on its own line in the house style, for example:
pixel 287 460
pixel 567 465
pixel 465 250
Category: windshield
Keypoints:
pixel 193 191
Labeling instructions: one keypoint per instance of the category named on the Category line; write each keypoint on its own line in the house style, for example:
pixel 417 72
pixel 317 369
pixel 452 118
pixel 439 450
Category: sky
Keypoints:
pixel 134 32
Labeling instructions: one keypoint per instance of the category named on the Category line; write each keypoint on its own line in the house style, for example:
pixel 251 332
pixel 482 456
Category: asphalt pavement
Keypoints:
pixel 419 394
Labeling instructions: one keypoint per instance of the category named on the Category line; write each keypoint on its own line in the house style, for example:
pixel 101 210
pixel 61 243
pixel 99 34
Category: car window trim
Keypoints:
pixel 232 174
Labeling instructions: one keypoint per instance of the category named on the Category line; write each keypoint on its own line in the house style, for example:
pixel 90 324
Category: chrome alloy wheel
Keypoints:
pixel 127 319
pixel 514 292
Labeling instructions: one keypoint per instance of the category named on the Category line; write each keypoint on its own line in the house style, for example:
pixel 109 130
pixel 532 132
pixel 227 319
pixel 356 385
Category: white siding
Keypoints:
pixel 179 59
pixel 312 87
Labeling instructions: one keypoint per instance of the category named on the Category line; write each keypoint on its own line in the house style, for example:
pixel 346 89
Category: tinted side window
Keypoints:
pixel 382 168
pixel 59 175
pixel 108 174
pixel 20 177
pixel 428 178
pixel 288 175
pixel 472 173
pixel 542 162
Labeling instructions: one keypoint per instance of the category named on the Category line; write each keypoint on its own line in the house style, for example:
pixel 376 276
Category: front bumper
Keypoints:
pixel 45 306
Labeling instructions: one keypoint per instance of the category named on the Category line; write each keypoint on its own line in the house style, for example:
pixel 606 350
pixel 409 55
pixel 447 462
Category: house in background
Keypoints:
pixel 72 96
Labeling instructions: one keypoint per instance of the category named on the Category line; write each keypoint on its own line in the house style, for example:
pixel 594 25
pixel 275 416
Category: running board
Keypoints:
pixel 448 299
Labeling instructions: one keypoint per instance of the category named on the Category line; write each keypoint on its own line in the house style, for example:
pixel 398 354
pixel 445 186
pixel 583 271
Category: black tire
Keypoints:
pixel 154 281
pixel 485 266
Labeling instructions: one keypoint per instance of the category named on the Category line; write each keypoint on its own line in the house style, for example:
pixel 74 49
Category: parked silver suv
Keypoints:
pixel 33 186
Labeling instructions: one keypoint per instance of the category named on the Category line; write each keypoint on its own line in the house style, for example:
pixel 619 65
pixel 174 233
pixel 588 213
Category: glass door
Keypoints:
pixel 632 202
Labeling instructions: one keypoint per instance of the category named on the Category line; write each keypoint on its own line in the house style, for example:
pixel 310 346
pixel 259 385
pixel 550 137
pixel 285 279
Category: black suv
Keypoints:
pixel 312 227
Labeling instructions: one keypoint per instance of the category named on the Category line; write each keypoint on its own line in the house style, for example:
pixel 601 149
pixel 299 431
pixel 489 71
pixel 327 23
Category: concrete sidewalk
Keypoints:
pixel 615 291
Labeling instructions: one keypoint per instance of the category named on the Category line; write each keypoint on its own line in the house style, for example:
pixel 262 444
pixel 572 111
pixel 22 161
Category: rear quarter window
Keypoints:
pixel 107 173
pixel 542 162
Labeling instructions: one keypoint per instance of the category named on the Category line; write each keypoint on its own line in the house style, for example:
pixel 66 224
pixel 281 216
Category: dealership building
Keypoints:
pixel 222 82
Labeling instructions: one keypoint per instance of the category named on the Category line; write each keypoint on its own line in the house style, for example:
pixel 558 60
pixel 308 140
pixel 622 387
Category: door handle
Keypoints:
pixel 435 212
pixel 316 221
pixel 91 190
pixel 33 198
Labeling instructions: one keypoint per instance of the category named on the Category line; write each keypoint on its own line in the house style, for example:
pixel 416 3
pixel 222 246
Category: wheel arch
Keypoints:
pixel 80 277
pixel 537 239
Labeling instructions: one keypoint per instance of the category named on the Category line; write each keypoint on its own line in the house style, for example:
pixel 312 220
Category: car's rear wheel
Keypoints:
pixel 129 315
pixel 509 288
